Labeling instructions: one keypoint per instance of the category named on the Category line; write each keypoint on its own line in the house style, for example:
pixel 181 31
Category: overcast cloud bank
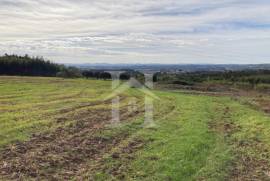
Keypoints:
pixel 132 31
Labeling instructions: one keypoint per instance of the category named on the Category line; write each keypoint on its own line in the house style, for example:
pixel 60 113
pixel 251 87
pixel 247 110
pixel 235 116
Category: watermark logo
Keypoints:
pixel 119 87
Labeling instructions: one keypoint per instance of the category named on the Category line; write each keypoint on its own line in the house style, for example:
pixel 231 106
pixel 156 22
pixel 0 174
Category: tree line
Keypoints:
pixel 252 77
pixel 16 65
pixel 28 66
pixel 101 74
pixel 37 66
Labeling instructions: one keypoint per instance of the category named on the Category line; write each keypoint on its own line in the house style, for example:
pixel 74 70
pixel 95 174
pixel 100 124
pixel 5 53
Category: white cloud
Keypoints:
pixel 165 31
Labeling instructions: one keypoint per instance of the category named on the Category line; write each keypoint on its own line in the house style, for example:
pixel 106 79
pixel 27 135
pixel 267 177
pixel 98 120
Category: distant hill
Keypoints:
pixel 174 67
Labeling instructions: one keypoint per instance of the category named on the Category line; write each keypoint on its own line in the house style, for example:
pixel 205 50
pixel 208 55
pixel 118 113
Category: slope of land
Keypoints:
pixel 60 129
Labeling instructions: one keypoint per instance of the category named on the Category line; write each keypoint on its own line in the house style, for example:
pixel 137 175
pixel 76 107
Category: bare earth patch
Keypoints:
pixel 245 166
pixel 59 155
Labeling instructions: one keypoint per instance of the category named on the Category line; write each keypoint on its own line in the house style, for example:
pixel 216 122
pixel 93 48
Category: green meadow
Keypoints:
pixel 60 129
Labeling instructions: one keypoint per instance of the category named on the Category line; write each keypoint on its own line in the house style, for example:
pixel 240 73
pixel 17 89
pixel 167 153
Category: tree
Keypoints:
pixel 254 82
pixel 27 66
pixel 124 76
pixel 105 76
pixel 70 72
pixel 88 74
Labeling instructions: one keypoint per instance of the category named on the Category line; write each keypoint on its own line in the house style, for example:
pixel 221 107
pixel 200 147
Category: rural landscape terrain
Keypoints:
pixel 135 90
pixel 205 127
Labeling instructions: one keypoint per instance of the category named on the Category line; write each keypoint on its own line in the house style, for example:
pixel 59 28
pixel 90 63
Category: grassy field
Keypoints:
pixel 60 129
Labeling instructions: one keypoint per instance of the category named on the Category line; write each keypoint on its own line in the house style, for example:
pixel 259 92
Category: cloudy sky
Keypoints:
pixel 137 31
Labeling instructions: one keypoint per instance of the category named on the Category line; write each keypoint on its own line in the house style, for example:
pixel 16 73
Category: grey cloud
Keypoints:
pixel 130 30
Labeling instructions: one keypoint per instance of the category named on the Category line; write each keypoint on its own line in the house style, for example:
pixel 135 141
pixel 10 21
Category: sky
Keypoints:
pixel 138 31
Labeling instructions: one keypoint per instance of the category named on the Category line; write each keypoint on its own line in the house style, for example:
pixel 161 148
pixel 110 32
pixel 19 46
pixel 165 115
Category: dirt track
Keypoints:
pixel 62 153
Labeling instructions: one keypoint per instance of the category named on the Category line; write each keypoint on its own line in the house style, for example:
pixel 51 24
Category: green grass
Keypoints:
pixel 195 137
pixel 185 147
pixel 28 104
pixel 182 145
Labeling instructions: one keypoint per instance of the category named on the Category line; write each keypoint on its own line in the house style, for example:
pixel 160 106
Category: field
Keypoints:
pixel 60 129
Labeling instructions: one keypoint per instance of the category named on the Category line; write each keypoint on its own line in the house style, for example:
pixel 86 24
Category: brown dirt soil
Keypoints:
pixel 250 167
pixel 59 155
pixel 122 156
pixel 224 126
pixel 244 166
pixel 126 154
pixel 264 104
